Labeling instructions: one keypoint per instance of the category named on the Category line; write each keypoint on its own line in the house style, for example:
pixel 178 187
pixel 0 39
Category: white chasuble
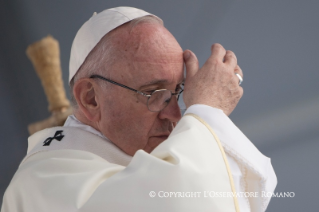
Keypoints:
pixel 177 176
pixel 76 168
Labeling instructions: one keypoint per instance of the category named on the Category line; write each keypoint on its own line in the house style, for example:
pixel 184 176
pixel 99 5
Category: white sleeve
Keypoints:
pixel 251 170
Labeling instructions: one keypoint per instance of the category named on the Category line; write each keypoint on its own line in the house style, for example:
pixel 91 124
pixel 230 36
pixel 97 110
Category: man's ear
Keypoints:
pixel 85 93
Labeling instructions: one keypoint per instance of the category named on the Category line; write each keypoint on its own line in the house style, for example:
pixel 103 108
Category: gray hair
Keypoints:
pixel 102 56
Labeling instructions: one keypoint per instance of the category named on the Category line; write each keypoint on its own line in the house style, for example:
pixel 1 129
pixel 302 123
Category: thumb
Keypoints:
pixel 191 63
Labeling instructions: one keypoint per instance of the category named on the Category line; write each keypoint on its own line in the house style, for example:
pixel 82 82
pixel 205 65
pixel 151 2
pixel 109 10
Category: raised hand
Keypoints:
pixel 215 84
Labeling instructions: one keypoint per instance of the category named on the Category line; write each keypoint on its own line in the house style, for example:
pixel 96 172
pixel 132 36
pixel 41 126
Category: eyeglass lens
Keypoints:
pixel 159 100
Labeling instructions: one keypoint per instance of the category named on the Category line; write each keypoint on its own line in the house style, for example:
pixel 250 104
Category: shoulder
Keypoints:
pixel 57 179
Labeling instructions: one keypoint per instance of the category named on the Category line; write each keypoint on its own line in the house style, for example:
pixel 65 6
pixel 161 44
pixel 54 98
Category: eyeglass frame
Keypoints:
pixel 139 92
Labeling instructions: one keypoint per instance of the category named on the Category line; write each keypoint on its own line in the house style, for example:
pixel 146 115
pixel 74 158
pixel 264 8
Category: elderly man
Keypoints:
pixel 127 148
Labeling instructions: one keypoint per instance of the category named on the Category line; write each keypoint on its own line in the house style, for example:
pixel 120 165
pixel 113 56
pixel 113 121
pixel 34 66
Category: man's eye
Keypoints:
pixel 149 91
pixel 179 87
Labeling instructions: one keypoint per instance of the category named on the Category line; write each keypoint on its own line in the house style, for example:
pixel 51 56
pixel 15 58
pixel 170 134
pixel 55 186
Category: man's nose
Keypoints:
pixel 171 111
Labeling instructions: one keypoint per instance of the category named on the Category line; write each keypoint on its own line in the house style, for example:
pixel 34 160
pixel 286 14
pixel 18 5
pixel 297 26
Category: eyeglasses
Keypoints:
pixel 156 101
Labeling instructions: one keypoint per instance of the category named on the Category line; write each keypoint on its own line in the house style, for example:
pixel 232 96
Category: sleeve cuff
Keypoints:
pixel 233 140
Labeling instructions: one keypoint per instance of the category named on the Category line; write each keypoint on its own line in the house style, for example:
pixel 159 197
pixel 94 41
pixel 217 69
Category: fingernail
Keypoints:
pixel 187 55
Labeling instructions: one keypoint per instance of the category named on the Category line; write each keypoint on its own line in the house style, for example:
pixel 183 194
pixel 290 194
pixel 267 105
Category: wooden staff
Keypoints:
pixel 45 57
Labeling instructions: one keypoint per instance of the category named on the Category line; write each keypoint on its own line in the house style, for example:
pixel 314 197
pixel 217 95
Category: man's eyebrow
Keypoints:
pixel 155 82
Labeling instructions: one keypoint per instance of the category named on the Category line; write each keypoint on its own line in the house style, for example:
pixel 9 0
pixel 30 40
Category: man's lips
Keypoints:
pixel 163 136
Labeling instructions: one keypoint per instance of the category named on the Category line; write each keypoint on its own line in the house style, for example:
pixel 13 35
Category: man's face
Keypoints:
pixel 149 59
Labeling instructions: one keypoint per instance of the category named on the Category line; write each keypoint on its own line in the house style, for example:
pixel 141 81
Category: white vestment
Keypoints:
pixel 204 164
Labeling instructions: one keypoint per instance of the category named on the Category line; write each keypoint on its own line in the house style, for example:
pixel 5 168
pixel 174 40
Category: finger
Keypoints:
pixel 218 52
pixel 239 71
pixel 239 75
pixel 191 63
pixel 230 58
pixel 241 92
pixel 237 78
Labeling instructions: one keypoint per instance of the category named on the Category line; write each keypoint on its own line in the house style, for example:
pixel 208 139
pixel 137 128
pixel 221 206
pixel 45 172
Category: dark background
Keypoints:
pixel 276 42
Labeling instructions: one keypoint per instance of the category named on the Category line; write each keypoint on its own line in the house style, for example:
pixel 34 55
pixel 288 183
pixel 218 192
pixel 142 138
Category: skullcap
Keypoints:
pixel 95 28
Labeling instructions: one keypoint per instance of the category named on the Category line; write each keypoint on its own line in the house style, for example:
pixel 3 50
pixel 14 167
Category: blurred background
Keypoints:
pixel 276 43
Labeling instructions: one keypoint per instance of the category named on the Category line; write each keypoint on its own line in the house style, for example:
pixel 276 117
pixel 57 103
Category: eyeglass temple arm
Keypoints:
pixel 123 86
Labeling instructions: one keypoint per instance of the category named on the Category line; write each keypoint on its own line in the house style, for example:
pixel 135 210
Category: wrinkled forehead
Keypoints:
pixel 150 52
pixel 146 41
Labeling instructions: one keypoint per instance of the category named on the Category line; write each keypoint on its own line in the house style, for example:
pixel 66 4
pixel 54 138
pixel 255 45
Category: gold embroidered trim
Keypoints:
pixel 224 157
